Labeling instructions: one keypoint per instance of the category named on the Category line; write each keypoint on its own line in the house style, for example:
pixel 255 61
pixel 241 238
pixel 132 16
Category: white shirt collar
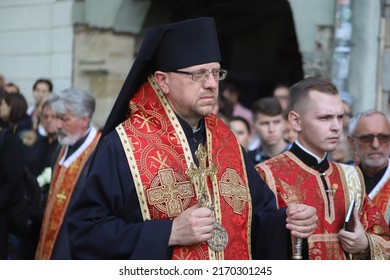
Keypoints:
pixel 310 153
pixel 91 136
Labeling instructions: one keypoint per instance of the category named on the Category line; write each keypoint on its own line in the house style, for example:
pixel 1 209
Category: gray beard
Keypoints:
pixel 68 140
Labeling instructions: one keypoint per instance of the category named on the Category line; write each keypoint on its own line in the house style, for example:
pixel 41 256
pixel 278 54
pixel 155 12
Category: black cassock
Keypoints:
pixel 105 221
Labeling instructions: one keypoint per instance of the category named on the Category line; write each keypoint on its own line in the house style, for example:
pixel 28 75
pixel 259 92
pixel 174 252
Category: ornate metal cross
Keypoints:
pixel 198 175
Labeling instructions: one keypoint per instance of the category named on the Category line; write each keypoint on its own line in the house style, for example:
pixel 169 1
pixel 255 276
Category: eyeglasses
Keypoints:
pixel 282 97
pixel 203 75
pixel 382 138
pixel 348 114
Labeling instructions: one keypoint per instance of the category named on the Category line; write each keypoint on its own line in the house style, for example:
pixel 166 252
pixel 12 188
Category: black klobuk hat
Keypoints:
pixel 168 47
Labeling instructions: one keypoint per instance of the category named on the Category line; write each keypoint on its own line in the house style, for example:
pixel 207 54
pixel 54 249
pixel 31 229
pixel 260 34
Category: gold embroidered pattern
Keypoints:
pixel 128 149
pixel 354 187
pixel 161 144
pixel 233 190
pixel 161 160
pixel 61 196
pixel 170 192
pixel 61 190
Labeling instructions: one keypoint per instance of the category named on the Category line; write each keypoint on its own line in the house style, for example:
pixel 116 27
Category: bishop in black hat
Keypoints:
pixel 168 179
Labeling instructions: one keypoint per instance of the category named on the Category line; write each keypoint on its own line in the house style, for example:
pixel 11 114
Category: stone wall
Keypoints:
pixel 36 42
pixel 385 79
pixel 102 60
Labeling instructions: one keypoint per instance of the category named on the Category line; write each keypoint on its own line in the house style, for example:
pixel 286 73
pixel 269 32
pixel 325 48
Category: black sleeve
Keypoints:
pixel 270 238
pixel 105 221
pixel 11 170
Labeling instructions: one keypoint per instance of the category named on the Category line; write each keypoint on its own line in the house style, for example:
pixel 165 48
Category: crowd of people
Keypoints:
pixel 182 170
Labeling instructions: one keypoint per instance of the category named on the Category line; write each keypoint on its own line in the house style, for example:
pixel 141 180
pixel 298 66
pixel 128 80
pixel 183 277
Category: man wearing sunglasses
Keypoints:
pixel 369 136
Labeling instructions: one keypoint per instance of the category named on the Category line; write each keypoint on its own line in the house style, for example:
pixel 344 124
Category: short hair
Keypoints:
pixel 232 87
pixel 239 118
pixel 280 85
pixel 2 81
pixel 46 103
pixel 299 92
pixel 269 106
pixel 352 124
pixel 78 102
pixel 18 106
pixel 45 81
pixel 11 84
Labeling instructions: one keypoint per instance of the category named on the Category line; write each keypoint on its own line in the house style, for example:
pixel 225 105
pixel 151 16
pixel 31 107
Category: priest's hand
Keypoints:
pixel 301 220
pixel 355 242
pixel 192 226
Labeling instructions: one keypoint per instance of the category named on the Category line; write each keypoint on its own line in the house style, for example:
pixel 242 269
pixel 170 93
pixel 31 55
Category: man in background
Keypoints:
pixel 41 155
pixel 269 126
pixel 11 88
pixel 74 110
pixel 281 92
pixel 369 136
pixel 241 128
pixel 304 174
pixel 42 89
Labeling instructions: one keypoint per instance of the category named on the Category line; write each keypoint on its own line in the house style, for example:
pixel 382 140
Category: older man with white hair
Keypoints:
pixel 369 136
pixel 74 110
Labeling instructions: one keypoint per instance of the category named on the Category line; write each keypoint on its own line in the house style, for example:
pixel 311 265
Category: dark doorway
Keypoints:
pixel 257 39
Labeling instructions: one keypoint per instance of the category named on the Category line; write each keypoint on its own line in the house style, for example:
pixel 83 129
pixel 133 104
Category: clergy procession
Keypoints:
pixel 168 177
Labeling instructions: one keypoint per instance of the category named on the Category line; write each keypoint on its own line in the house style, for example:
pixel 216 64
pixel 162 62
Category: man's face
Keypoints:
pixel 70 129
pixel 11 89
pixel 49 120
pixel 347 115
pixel 282 94
pixel 373 154
pixel 230 96
pixel 319 124
pixel 41 91
pixel 5 110
pixel 190 99
pixel 269 129
pixel 241 131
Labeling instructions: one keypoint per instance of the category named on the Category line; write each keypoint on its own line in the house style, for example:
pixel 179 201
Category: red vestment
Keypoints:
pixel 159 157
pixel 380 195
pixel 65 176
pixel 294 182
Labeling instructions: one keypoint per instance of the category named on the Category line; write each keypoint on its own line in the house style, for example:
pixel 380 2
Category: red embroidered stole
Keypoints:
pixel 382 200
pixel 294 182
pixel 159 156
pixel 61 190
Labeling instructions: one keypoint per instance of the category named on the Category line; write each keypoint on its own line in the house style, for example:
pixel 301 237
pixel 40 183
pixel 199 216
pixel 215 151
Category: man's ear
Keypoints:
pixel 295 119
pixel 161 79
pixel 86 121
